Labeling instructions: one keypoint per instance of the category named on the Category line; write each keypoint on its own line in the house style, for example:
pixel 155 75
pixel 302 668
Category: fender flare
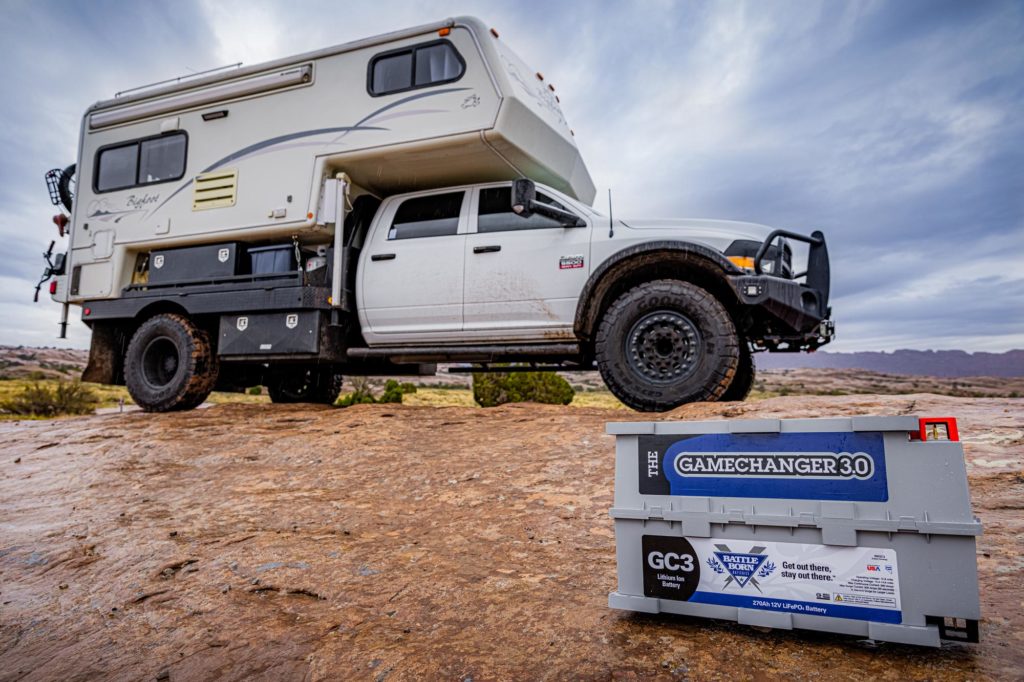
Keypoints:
pixel 601 281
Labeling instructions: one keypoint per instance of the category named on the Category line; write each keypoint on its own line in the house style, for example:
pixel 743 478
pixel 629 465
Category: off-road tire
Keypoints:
pixel 170 364
pixel 64 191
pixel 699 340
pixel 306 385
pixel 743 380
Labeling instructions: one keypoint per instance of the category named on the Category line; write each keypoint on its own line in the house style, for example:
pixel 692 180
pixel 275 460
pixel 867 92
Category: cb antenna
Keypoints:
pixel 611 223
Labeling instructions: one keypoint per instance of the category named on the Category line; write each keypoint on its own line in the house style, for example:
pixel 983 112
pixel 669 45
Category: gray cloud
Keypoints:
pixel 893 126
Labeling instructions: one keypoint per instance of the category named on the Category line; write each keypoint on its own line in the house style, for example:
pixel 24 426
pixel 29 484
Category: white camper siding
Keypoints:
pixel 279 154
pixel 283 134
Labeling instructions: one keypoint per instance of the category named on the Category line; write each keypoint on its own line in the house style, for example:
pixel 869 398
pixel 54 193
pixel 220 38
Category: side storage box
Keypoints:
pixel 211 261
pixel 270 333
pixel 857 526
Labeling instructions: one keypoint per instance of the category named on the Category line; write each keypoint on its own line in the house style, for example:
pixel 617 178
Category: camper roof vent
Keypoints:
pixel 215 190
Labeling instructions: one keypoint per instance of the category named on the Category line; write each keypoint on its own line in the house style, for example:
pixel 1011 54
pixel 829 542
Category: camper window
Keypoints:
pixel 141 162
pixel 117 168
pixel 162 158
pixel 418 66
pixel 436 215
pixel 495 213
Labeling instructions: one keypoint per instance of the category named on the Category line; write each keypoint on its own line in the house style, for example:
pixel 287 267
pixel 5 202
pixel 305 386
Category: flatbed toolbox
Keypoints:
pixel 860 526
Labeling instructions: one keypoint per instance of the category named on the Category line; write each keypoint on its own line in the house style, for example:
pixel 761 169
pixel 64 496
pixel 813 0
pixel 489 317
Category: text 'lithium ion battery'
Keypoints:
pixel 860 526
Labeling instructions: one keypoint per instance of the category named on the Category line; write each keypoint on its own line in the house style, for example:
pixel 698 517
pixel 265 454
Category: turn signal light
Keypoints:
pixel 745 262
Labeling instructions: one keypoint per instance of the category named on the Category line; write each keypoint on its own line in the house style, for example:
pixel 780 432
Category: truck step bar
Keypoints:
pixel 505 369
pixel 489 353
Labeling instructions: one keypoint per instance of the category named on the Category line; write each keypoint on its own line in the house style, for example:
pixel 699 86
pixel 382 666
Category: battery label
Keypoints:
pixel 860 583
pixel 808 466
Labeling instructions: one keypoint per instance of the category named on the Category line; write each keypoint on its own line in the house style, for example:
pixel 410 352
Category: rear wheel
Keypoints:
pixel 170 364
pixel 666 343
pixel 305 385
pixel 743 380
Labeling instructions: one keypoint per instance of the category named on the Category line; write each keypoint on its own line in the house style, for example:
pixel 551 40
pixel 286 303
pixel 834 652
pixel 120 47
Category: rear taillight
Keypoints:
pixel 53 287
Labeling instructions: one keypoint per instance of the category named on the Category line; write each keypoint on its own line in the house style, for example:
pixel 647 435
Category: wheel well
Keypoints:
pixel 628 272
pixel 110 341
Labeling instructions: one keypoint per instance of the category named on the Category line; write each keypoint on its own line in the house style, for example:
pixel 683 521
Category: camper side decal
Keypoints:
pixel 339 133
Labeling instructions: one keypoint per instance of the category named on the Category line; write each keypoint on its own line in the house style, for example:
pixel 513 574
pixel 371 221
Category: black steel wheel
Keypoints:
pixel 666 343
pixel 170 364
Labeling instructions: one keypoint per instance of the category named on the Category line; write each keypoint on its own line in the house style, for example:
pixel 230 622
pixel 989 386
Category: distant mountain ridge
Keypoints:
pixel 936 363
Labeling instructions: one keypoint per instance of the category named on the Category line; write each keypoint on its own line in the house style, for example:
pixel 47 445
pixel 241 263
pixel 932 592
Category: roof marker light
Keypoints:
pixel 540 76
pixel 444 31
pixel 494 32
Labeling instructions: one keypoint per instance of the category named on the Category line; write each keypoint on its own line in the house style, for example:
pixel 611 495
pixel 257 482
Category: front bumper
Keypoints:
pixel 785 314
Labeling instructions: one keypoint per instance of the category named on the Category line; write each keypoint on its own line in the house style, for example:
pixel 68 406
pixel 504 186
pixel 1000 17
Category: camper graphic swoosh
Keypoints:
pixel 266 145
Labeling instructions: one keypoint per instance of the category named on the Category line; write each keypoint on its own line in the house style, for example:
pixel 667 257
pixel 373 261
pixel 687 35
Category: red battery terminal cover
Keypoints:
pixel 936 428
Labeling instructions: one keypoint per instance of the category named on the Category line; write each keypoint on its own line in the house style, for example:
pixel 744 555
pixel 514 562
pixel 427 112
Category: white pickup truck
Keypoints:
pixel 668 311
pixel 384 205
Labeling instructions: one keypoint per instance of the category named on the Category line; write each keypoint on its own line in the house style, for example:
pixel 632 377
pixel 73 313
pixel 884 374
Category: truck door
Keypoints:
pixel 523 275
pixel 411 271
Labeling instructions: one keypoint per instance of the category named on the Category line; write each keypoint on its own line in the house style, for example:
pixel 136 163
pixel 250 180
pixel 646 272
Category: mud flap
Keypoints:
pixel 106 355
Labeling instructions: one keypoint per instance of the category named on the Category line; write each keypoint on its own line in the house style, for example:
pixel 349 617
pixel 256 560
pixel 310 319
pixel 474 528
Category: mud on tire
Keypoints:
pixel 305 385
pixel 170 364
pixel 665 343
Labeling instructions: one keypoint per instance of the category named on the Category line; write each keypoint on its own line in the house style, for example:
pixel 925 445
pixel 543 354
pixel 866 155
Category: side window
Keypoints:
pixel 142 162
pixel 117 167
pixel 391 74
pixel 162 158
pixel 418 66
pixel 433 216
pixel 495 212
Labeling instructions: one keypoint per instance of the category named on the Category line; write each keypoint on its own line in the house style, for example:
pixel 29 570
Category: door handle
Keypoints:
pixel 383 256
pixel 487 249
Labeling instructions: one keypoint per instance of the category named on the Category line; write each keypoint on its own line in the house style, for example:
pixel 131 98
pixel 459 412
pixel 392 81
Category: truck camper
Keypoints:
pixel 387 204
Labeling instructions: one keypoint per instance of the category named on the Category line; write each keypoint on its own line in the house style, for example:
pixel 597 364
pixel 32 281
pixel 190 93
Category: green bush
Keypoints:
pixel 393 392
pixel 38 400
pixel 491 390
pixel 255 390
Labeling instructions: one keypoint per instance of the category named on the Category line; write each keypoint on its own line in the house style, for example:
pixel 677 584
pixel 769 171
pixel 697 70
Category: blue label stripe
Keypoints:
pixel 807 608
pixel 872 489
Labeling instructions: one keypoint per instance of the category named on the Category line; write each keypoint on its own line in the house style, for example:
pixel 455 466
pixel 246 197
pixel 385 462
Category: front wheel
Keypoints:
pixel 305 385
pixel 666 343
pixel 170 364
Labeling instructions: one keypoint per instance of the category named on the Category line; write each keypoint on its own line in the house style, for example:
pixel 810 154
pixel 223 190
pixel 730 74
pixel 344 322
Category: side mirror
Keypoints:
pixel 525 204
pixel 524 192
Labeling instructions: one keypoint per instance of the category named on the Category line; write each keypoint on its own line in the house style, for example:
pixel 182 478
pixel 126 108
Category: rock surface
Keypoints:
pixel 389 542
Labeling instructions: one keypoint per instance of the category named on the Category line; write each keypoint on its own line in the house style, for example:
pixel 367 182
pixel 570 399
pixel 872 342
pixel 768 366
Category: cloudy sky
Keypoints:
pixel 896 127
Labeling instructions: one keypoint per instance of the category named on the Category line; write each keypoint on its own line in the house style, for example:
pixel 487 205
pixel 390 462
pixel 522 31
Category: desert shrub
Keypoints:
pixel 493 389
pixel 39 400
pixel 255 390
pixel 393 392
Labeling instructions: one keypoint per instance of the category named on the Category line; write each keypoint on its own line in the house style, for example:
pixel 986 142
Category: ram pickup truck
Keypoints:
pixel 668 311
